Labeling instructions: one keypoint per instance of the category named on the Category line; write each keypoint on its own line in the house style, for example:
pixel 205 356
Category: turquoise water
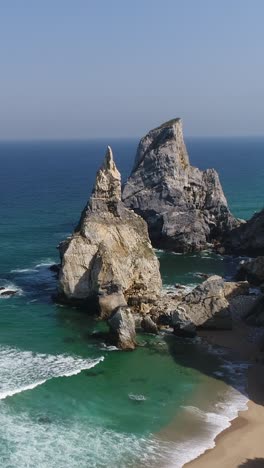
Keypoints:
pixel 61 405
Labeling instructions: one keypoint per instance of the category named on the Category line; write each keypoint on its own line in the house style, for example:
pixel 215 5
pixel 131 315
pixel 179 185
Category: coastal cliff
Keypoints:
pixel 108 261
pixel 185 208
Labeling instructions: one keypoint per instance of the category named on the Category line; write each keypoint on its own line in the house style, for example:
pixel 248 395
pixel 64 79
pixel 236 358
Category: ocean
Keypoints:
pixel 67 399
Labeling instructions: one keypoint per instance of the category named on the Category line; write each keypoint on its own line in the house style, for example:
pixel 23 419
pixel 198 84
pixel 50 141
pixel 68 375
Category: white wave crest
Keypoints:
pixel 24 370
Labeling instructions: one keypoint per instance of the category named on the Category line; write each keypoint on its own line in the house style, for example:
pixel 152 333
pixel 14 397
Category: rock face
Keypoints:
pixel 109 258
pixel 122 329
pixel 252 270
pixel 206 306
pixel 185 208
pixel 248 238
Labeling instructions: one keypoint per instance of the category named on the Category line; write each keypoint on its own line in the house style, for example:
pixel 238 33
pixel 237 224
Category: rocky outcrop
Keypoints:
pixel 248 238
pixel 122 329
pixel 252 270
pixel 185 208
pixel 206 306
pixel 109 258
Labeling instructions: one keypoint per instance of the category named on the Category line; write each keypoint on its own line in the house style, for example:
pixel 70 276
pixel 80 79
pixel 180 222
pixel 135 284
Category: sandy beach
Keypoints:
pixel 242 444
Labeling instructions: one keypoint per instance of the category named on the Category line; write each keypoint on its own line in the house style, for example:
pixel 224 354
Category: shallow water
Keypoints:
pixel 61 404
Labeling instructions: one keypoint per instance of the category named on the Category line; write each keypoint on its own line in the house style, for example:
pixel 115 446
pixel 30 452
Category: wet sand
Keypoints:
pixel 242 444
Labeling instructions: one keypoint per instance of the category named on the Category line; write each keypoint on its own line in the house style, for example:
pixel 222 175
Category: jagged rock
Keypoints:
pixel 235 288
pixel 252 270
pixel 109 258
pixel 182 327
pixel 185 208
pixel 7 292
pixel 248 238
pixel 148 325
pixel 122 329
pixel 207 307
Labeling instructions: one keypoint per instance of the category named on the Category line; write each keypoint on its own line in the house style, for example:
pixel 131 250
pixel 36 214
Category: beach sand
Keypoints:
pixel 242 444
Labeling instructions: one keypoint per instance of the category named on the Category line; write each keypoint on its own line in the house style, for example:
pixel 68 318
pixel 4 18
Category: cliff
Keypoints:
pixel 109 258
pixel 185 208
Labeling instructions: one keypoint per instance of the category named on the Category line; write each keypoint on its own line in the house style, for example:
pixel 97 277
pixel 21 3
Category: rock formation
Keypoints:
pixel 206 306
pixel 122 329
pixel 185 208
pixel 252 271
pixel 109 258
pixel 248 238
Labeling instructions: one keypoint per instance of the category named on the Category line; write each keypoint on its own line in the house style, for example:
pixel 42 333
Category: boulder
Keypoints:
pixel 108 261
pixel 122 328
pixel 248 238
pixel 182 326
pixel 148 325
pixel 185 208
pixel 235 288
pixel 252 270
pixel 207 306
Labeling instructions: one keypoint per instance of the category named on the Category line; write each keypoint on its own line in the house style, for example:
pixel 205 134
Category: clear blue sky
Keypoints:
pixel 83 68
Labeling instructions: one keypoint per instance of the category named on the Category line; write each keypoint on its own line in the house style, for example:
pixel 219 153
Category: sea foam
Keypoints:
pixel 24 370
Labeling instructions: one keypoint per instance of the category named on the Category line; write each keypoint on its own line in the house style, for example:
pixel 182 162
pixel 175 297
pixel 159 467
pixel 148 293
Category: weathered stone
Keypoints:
pixel 235 288
pixel 148 325
pixel 185 208
pixel 248 238
pixel 122 329
pixel 109 258
pixel 181 326
pixel 252 270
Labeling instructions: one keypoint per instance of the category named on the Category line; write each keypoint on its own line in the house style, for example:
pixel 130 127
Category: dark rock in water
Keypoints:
pixel 55 269
pixel 252 271
pixel 185 208
pixel 7 292
pixel 248 238
pixel 44 420
pixel 109 258
pixel 183 327
pixel 149 326
pixel 122 329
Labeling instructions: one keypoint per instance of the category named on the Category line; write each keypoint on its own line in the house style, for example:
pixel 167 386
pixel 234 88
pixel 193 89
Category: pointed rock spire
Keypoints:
pixel 108 180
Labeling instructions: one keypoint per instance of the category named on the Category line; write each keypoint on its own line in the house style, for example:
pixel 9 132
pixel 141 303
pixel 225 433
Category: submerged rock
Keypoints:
pixel 109 258
pixel 185 208
pixel 122 328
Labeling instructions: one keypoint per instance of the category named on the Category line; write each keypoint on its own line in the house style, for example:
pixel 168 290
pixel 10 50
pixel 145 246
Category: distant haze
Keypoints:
pixel 116 68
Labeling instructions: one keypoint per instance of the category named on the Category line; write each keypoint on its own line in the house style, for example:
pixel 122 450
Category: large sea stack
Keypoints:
pixel 109 261
pixel 184 207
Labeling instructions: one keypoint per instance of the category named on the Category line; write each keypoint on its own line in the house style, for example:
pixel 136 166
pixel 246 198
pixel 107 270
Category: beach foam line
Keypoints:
pixel 24 370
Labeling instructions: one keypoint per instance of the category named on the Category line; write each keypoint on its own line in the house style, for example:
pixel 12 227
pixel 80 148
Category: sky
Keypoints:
pixel 117 68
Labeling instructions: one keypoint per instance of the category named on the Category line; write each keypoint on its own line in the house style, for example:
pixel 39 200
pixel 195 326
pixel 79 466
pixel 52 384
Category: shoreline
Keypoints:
pixel 241 444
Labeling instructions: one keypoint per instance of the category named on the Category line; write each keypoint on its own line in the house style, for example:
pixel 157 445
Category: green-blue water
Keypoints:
pixel 112 414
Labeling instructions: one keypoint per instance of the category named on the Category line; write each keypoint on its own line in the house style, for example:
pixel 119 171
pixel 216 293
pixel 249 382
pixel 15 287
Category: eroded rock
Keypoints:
pixel 122 328
pixel 108 261
pixel 185 208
